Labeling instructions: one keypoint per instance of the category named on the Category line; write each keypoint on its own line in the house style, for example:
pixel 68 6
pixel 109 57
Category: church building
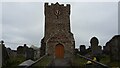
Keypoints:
pixel 58 41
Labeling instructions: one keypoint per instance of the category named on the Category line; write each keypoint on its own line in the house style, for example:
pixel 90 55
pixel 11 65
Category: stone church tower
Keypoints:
pixel 58 40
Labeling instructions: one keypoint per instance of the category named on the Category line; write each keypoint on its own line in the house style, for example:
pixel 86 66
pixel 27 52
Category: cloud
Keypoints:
pixel 24 22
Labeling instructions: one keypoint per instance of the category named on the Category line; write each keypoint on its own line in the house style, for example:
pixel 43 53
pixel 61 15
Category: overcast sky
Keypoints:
pixel 23 22
pixel 0 20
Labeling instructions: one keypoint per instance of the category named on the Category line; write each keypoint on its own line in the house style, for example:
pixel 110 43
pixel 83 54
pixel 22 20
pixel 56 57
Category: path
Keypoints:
pixel 60 62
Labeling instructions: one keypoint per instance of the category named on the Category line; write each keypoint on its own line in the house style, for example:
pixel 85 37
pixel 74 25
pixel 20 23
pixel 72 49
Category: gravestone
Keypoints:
pixel 25 48
pixel 25 51
pixel 99 50
pixel 106 48
pixel 115 48
pixel 88 50
pixel 30 53
pixel 20 50
pixel 82 49
pixel 14 53
pixel 9 51
pixel 76 51
pixel 94 46
pixel 36 54
pixel 112 48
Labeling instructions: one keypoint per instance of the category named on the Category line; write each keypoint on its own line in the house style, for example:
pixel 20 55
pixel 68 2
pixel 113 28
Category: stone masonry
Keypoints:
pixel 57 30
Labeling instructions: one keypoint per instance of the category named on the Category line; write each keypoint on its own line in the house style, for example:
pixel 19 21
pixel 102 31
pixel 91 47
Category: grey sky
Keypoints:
pixel 23 22
pixel 60 0
pixel 119 17
pixel 0 20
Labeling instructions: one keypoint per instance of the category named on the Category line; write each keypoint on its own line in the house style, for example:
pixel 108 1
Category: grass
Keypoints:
pixel 14 62
pixel 81 62
pixel 78 61
pixel 43 63
pixel 114 64
pixel 106 60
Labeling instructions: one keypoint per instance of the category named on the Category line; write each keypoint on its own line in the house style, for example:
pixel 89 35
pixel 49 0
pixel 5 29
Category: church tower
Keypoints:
pixel 58 40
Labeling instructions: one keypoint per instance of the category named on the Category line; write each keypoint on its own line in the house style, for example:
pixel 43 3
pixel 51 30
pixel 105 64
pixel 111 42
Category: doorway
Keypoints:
pixel 59 51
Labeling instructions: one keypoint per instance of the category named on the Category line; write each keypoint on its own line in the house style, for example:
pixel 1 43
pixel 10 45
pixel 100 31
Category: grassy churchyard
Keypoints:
pixel 77 61
pixel 14 62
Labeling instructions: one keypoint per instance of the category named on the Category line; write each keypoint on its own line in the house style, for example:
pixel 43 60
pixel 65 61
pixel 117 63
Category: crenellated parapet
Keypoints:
pixel 52 4
pixel 49 9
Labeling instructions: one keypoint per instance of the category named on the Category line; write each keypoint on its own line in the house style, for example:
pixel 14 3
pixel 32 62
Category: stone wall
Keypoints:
pixel 65 41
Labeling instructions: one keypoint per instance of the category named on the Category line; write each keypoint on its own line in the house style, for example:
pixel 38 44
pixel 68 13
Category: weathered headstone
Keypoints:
pixel 36 54
pixel 112 48
pixel 94 46
pixel 82 49
pixel 20 50
pixel 99 50
pixel 11 53
pixel 76 51
pixel 106 48
pixel 115 48
pixel 88 50
pixel 14 53
pixel 25 49
pixel 30 53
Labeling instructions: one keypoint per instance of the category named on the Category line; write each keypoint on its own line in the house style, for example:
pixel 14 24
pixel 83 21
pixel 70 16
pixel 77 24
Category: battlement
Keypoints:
pixel 51 8
pixel 52 4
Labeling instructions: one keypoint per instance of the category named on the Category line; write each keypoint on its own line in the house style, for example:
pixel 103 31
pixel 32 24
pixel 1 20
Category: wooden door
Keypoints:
pixel 59 51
